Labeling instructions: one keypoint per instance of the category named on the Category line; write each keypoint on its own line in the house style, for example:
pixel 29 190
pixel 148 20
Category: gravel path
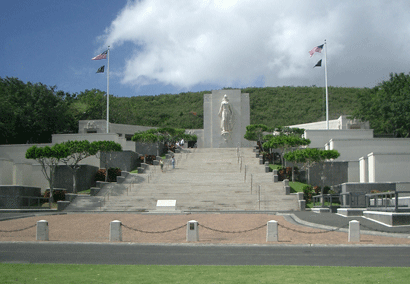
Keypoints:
pixel 95 228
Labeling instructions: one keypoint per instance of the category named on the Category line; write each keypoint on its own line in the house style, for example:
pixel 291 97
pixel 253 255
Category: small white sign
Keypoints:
pixel 166 205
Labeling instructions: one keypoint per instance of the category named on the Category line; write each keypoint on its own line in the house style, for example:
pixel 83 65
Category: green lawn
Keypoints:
pixel 87 191
pixel 296 186
pixel 63 273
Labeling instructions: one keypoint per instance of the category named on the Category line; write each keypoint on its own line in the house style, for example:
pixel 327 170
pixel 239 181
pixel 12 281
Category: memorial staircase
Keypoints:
pixel 223 179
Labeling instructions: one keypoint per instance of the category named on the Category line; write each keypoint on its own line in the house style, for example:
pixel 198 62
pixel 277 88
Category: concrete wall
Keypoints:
pixel 100 126
pixel 343 122
pixel 334 172
pixel 22 174
pixel 319 138
pixel 37 178
pixel 10 195
pixel 365 187
pixel 354 149
pixel 6 171
pixel 149 148
pixel 17 152
pixel 126 160
pixel 389 167
pixel 364 170
pixel 353 171
pixel 85 178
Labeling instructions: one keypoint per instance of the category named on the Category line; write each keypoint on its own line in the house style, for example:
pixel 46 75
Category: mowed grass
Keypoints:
pixel 63 273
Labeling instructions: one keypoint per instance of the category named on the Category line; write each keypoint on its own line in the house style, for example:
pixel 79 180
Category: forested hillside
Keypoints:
pixel 273 106
pixel 30 113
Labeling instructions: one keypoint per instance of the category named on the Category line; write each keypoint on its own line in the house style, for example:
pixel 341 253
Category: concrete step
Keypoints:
pixel 203 180
pixel 85 203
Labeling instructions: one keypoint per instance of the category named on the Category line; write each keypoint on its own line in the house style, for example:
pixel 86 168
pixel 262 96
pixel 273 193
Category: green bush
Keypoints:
pixel 308 193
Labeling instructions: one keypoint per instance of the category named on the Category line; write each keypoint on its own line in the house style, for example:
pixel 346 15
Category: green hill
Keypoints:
pixel 272 106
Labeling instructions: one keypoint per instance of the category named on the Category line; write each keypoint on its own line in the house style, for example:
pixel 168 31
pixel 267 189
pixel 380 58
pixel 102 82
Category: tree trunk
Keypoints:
pixel 75 181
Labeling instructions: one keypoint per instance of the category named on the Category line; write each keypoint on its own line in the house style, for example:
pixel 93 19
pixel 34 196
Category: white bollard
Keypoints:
pixel 272 231
pixel 115 231
pixel 192 234
pixel 354 231
pixel 42 230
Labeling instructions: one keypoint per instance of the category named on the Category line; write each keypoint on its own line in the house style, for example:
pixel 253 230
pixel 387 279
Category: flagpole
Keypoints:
pixel 327 95
pixel 108 88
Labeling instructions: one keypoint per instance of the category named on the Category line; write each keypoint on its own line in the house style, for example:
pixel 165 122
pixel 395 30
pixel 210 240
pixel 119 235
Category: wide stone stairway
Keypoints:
pixel 223 179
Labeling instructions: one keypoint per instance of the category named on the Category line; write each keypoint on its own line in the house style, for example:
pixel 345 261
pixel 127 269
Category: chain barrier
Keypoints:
pixel 231 232
pixel 152 232
pixel 312 233
pixel 18 230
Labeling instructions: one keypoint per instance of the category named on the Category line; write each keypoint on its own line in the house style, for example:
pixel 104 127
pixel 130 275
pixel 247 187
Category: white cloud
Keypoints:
pixel 233 43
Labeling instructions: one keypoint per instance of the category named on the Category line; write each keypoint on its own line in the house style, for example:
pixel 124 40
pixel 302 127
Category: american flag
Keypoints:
pixel 101 56
pixel 316 49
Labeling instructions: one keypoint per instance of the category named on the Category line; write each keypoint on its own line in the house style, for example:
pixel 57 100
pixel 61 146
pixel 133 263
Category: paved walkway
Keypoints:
pixel 205 180
pixel 91 227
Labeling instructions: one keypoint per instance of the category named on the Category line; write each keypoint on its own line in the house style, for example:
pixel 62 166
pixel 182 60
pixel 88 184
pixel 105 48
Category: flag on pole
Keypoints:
pixel 101 69
pixel 101 56
pixel 318 64
pixel 316 49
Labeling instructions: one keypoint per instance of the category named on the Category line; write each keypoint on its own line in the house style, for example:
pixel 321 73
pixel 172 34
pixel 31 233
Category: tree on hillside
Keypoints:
pixel 48 158
pixel 90 105
pixel 31 113
pixel 78 151
pixel 387 106
pixel 310 156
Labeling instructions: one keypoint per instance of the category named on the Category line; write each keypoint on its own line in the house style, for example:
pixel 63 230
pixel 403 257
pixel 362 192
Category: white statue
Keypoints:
pixel 225 113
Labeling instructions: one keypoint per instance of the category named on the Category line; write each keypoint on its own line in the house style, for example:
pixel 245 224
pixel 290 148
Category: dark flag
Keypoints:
pixel 101 69
pixel 318 64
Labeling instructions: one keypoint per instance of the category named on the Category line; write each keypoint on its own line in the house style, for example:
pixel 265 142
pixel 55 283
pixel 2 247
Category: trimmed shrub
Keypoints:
pixel 58 194
pixel 308 193
pixel 112 174
pixel 100 175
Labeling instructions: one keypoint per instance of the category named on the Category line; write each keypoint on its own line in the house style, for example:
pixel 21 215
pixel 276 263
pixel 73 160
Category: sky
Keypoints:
pixel 172 46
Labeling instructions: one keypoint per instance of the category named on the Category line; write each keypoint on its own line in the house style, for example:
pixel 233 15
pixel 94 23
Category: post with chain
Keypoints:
pixel 251 182
pixel 244 179
pixel 115 231
pixel 192 234
pixel 272 231
pixel 259 198
pixel 42 230
pixel 354 231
